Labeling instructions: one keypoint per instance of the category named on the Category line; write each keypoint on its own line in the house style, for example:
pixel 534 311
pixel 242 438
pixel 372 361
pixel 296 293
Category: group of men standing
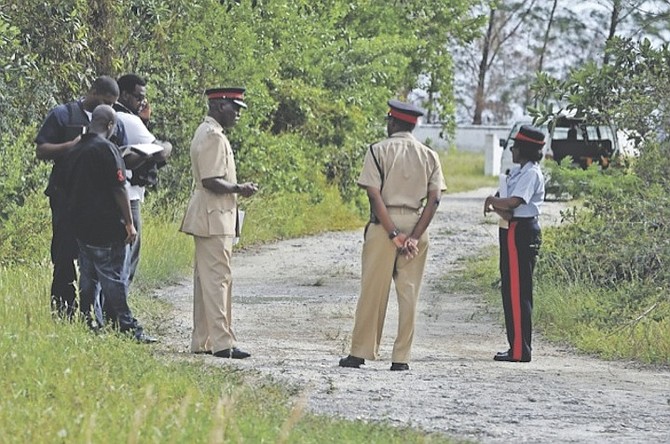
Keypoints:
pixel 95 211
pixel 96 193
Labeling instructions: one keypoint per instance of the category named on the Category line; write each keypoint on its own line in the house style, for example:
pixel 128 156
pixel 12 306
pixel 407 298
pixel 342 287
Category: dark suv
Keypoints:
pixel 582 144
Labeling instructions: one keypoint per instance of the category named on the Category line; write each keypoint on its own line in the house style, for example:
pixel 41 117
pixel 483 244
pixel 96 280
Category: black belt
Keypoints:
pixel 520 219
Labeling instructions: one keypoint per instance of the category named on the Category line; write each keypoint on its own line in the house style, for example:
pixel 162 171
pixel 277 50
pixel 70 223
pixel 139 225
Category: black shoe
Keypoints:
pixel 352 362
pixel 399 366
pixel 203 352
pixel 234 353
pixel 144 338
pixel 507 357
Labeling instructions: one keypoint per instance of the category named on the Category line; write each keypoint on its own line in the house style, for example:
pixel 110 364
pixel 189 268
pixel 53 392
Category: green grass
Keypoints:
pixel 464 171
pixel 594 321
pixel 61 383
pixel 294 215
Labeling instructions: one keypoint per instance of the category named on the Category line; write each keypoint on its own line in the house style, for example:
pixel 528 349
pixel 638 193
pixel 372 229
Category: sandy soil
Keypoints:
pixel 293 310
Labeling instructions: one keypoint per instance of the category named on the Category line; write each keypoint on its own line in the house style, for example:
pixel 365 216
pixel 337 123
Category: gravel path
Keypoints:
pixel 294 303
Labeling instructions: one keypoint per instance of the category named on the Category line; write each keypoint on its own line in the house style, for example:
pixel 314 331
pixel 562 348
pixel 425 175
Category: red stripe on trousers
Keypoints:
pixel 515 290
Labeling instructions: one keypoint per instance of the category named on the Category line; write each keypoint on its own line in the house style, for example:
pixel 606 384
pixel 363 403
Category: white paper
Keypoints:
pixel 240 221
pixel 502 185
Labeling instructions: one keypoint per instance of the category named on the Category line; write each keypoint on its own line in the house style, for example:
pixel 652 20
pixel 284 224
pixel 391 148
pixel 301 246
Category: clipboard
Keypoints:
pixel 144 149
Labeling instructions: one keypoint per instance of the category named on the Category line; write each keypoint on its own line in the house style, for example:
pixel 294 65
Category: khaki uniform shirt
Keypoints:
pixel 410 171
pixel 210 214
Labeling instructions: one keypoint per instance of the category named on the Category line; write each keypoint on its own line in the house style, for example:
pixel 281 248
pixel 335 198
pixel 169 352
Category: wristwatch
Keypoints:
pixel 393 234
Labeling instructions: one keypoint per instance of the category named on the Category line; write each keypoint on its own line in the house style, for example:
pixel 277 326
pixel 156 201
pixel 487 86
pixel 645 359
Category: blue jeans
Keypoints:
pixel 104 266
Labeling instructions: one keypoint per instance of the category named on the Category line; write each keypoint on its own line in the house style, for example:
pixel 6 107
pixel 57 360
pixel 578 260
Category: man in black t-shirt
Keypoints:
pixel 99 212
pixel 60 131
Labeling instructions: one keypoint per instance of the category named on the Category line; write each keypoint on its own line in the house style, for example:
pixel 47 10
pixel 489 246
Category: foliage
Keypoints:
pixel 620 236
pixel 631 91
pixel 566 181
pixel 318 76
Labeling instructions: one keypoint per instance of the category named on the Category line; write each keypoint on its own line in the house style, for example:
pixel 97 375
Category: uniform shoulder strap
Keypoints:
pixel 379 168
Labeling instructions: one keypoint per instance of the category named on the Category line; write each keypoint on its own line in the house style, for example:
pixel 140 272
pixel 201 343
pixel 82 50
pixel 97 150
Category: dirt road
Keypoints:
pixel 293 309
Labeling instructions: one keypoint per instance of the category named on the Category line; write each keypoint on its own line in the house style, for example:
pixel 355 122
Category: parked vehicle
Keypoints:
pixel 581 143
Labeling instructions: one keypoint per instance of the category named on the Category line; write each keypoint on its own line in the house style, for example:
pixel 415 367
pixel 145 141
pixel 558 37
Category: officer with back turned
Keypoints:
pixel 399 175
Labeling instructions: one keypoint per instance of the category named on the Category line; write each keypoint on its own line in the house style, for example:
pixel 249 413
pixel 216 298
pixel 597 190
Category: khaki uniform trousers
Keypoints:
pixel 382 263
pixel 212 294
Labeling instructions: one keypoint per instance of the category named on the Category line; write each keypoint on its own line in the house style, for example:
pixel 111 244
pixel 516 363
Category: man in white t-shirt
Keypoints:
pixel 133 110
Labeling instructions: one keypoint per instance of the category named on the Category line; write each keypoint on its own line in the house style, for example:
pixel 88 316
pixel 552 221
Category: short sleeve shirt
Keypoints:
pixel 409 170
pixel 136 132
pixel 95 170
pixel 64 123
pixel 527 183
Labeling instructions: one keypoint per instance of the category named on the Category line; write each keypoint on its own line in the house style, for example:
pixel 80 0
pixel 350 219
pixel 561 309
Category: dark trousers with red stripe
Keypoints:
pixel 519 246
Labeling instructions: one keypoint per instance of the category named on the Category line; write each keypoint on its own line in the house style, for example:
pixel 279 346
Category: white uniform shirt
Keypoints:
pixel 527 182
pixel 136 132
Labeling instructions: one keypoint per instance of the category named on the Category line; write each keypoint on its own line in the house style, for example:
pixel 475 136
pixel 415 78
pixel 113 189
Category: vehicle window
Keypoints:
pixel 560 133
pixel 593 132
pixel 606 133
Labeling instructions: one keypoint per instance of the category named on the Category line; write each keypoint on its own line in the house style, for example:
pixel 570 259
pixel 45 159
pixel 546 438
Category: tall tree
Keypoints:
pixel 503 25
pixel 547 33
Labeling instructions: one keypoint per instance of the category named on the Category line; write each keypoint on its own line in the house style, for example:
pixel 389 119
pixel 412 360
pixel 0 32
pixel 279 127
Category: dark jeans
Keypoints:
pixel 104 266
pixel 132 260
pixel 64 252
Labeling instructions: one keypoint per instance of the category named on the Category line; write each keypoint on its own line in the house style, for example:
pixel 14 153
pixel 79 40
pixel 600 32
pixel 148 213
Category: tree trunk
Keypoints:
pixel 545 41
pixel 614 21
pixel 101 22
pixel 483 67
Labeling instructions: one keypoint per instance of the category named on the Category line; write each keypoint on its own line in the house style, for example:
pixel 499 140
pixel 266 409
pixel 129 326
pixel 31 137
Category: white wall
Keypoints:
pixel 467 138
pixel 472 138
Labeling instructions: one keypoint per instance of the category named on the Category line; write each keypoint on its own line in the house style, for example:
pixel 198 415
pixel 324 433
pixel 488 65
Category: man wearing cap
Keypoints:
pixel 399 173
pixel 212 219
pixel 518 204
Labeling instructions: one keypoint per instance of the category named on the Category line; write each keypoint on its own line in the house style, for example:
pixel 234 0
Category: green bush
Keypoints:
pixel 603 274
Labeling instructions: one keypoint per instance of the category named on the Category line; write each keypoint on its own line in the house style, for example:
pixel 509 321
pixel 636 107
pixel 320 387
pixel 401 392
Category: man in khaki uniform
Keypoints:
pixel 212 219
pixel 398 174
